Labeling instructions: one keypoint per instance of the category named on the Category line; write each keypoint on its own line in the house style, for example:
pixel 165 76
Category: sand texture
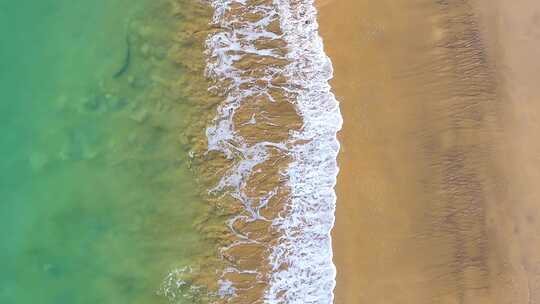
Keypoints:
pixel 437 195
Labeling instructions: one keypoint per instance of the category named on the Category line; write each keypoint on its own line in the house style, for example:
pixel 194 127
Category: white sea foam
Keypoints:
pixel 305 243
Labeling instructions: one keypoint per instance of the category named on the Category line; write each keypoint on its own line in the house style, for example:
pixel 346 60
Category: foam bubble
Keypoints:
pixel 304 247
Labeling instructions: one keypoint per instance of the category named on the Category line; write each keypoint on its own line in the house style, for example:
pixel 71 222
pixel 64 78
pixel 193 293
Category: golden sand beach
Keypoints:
pixel 437 196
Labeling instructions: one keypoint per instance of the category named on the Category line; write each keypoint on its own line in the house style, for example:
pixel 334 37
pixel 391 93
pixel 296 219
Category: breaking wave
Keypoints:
pixel 263 53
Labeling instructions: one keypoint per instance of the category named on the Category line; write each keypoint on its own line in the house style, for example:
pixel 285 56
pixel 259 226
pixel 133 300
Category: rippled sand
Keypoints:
pixel 437 195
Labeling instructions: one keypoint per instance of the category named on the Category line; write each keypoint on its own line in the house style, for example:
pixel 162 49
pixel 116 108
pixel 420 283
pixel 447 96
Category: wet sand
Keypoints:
pixel 437 196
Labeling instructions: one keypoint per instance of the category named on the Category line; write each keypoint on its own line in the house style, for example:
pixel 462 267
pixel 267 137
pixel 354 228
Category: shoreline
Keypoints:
pixel 276 161
pixel 430 203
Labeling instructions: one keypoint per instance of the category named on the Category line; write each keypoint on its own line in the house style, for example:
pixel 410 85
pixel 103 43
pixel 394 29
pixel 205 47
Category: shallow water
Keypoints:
pixel 97 201
pixel 276 125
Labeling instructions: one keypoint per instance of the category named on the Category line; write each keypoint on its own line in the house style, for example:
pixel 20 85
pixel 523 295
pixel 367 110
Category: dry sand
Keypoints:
pixel 437 195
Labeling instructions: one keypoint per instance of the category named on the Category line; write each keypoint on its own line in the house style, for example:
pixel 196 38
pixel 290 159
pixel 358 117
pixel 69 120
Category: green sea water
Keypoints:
pixel 97 203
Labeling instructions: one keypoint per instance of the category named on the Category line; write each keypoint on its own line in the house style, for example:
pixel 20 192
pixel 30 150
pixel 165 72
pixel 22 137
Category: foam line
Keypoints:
pixel 305 246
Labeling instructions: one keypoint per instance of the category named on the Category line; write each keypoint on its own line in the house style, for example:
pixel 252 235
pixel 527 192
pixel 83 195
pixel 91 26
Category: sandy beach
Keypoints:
pixel 437 200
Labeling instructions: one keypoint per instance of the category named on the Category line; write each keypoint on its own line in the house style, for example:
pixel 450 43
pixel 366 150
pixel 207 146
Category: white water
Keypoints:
pixel 305 245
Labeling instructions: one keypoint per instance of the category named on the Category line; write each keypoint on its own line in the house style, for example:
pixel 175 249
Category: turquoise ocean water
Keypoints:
pixel 97 203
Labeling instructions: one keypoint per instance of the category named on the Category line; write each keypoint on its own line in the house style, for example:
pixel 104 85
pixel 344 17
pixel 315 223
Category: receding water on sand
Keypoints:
pixel 97 199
